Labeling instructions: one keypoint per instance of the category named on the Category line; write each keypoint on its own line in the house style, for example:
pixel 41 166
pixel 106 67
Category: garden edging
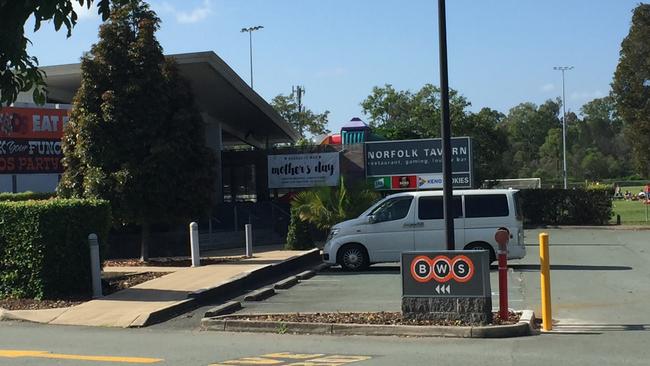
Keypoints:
pixel 524 327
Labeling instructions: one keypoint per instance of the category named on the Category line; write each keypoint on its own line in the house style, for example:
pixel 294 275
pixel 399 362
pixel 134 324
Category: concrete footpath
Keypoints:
pixel 169 295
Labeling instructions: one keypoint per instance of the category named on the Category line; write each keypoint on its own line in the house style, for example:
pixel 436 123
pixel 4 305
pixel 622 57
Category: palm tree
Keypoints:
pixel 323 207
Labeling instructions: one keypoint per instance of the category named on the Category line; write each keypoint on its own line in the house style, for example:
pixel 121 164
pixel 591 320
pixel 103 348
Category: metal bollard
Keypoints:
pixel 502 237
pixel 95 269
pixel 545 271
pixel 194 244
pixel 249 240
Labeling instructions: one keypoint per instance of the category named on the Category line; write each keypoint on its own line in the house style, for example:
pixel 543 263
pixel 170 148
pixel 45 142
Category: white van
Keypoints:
pixel 414 221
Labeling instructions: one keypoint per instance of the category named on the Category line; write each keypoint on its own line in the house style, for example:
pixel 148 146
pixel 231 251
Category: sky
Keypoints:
pixel 501 52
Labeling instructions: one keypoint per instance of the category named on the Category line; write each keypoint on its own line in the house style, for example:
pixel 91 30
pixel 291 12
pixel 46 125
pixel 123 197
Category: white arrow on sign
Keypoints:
pixel 443 289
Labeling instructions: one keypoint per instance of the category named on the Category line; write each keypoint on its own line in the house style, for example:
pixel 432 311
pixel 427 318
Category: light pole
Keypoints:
pixel 445 129
pixel 564 172
pixel 250 31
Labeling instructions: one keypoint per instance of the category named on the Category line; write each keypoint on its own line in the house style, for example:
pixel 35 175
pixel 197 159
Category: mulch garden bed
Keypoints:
pixel 168 262
pixel 375 318
pixel 110 285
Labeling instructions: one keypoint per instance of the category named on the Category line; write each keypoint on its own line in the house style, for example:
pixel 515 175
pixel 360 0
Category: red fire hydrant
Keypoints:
pixel 502 237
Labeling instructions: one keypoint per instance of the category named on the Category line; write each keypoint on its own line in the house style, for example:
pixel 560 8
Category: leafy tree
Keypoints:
pixel 134 136
pixel 18 70
pixel 489 143
pixel 550 153
pixel 304 121
pixel 630 88
pixel 399 115
pixel 325 206
pixel 527 126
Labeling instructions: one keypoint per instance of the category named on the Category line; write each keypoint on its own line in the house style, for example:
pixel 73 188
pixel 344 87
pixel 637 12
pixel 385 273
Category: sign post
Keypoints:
pixel 647 200
pixel 502 237
pixel 447 285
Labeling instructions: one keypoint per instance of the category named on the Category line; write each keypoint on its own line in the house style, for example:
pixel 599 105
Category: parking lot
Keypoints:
pixel 599 279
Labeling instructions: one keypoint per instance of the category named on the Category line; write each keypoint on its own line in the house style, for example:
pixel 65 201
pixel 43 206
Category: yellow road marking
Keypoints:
pixel 61 356
pixel 289 359
pixel 253 361
pixel 341 359
pixel 293 356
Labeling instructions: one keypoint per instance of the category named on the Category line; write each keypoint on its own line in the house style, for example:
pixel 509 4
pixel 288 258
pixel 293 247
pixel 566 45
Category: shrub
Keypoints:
pixel 44 246
pixel 566 207
pixel 26 196
pixel 324 207
pixel 298 236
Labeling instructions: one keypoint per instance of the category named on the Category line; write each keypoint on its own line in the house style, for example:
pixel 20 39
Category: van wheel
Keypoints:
pixel 353 257
pixel 482 246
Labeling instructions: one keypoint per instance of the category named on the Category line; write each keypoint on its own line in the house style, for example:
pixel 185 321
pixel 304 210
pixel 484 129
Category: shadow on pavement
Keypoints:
pixel 599 328
pixel 565 267
pixel 391 269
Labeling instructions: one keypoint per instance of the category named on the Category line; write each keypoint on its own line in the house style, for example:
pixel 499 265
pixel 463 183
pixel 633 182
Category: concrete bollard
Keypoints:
pixel 249 240
pixel 95 269
pixel 194 244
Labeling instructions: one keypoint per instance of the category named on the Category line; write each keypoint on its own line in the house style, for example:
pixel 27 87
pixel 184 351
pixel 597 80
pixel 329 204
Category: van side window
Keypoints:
pixel 486 205
pixel 393 209
pixel 431 208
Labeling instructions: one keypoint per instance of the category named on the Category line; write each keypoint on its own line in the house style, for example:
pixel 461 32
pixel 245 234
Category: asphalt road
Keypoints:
pixel 600 294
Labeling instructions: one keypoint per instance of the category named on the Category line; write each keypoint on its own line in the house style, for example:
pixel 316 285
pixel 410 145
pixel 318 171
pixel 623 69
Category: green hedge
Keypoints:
pixel 299 234
pixel 44 246
pixel 566 207
pixel 25 196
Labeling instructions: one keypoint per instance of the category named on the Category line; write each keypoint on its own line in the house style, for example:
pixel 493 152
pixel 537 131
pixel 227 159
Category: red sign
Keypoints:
pixel 404 182
pixel 30 140
pixel 442 268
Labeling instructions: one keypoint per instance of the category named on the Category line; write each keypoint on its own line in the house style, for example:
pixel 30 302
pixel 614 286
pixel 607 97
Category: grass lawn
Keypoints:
pixel 632 212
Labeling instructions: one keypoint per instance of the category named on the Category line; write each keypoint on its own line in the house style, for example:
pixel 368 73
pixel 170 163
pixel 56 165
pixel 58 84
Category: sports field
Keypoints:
pixel 632 212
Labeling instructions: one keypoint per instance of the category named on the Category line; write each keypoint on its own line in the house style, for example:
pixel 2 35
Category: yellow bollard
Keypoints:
pixel 545 271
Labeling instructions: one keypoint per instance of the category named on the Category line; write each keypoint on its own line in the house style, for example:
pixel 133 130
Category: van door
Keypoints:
pixel 429 226
pixel 484 214
pixel 390 232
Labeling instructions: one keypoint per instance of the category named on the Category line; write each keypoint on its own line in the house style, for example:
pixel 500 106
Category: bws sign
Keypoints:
pixel 446 274
pixel 442 269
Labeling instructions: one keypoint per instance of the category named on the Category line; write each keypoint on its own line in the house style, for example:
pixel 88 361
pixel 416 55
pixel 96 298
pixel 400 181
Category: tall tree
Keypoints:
pixel 528 126
pixel 303 120
pixel 401 114
pixel 18 70
pixel 134 136
pixel 631 87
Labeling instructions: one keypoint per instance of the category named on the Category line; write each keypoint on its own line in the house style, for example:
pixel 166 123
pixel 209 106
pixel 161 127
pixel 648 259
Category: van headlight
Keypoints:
pixel 333 233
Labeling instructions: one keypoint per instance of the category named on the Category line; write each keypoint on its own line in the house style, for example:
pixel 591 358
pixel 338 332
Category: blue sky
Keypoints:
pixel 501 52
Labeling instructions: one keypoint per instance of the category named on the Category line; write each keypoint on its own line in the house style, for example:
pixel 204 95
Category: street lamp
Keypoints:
pixel 250 31
pixel 564 172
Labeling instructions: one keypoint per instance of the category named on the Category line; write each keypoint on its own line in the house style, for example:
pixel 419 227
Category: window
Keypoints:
pixel 431 208
pixel 486 205
pixel 393 209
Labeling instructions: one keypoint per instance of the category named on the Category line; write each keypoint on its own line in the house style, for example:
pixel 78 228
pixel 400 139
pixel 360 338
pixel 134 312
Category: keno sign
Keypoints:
pixel 303 170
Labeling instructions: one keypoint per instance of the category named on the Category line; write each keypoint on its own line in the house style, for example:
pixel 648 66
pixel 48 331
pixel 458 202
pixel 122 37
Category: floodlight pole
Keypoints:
pixel 447 188
pixel 564 170
pixel 250 31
